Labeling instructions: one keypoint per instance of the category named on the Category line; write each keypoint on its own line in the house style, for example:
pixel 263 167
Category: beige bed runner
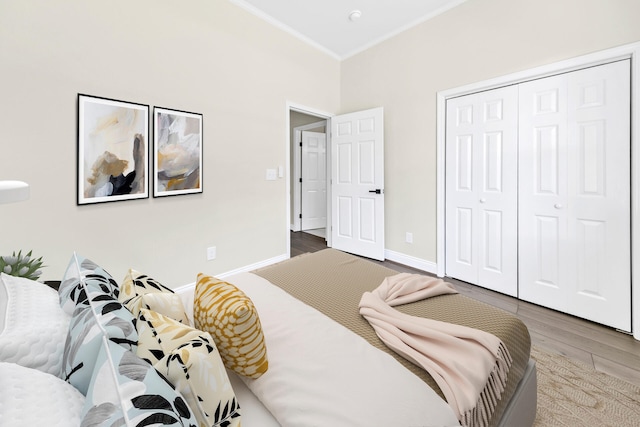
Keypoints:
pixel 333 282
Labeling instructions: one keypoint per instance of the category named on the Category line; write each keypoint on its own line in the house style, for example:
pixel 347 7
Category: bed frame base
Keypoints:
pixel 521 410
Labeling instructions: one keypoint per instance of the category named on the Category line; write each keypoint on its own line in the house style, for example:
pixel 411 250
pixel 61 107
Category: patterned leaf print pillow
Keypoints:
pixel 229 315
pixel 96 281
pixel 188 358
pixel 139 290
pixel 108 318
pixel 127 391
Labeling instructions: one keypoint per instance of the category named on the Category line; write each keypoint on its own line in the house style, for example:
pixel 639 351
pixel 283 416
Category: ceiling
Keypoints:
pixel 326 24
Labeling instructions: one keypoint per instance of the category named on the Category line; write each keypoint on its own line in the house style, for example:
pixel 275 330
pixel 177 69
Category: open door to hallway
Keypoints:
pixel 354 190
pixel 357 183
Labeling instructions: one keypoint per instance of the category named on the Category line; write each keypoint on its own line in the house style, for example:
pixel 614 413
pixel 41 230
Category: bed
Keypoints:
pixel 286 346
pixel 305 292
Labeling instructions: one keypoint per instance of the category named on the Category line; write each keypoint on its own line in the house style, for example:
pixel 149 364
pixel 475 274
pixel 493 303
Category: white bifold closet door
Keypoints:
pixel 574 190
pixel 481 189
pixel 538 192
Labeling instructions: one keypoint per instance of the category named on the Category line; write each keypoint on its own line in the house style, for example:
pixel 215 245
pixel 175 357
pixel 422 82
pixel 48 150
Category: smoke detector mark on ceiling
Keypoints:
pixel 355 15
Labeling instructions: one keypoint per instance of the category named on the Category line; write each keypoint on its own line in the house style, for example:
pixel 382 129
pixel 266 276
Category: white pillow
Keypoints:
pixel 30 397
pixel 35 327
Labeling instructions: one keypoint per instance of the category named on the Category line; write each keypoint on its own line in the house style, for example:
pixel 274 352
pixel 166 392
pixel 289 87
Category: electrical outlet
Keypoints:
pixel 408 237
pixel 211 253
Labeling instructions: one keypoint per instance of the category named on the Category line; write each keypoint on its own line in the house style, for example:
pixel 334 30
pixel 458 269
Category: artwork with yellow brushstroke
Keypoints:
pixel 112 150
pixel 178 152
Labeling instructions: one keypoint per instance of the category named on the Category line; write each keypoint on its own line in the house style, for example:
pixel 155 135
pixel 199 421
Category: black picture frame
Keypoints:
pixel 178 152
pixel 113 150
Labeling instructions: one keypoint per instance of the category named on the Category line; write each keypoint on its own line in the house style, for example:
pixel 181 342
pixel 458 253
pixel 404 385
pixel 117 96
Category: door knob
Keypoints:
pixel 377 191
pixel 557 206
pixel 483 200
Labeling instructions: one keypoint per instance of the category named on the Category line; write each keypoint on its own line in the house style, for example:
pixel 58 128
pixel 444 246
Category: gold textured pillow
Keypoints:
pixel 232 320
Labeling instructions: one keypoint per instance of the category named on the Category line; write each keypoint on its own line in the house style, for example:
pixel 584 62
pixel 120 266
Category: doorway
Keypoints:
pixel 308 163
pixel 354 179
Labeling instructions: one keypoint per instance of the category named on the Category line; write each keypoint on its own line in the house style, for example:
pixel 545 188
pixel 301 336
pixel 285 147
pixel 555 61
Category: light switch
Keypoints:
pixel 271 174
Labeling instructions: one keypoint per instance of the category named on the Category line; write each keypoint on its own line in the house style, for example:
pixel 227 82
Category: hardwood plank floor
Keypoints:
pixel 604 348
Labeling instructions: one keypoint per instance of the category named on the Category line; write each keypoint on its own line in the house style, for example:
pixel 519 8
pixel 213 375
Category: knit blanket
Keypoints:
pixel 470 366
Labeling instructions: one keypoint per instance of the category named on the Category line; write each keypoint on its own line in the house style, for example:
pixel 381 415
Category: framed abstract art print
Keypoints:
pixel 113 150
pixel 177 140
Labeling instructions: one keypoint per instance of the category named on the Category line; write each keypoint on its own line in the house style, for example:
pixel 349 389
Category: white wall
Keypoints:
pixel 214 58
pixel 205 56
pixel 475 41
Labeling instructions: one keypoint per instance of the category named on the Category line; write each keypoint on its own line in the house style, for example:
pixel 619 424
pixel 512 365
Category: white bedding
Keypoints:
pixel 34 328
pixel 322 374
pixel 29 396
pixel 254 414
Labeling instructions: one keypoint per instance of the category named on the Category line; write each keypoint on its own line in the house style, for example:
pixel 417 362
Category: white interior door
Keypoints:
pixel 314 181
pixel 357 183
pixel 574 209
pixel 481 189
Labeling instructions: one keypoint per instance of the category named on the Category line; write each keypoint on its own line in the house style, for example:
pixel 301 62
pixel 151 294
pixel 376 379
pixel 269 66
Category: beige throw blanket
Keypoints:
pixel 469 365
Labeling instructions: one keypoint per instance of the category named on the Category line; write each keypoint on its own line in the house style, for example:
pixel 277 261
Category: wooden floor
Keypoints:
pixel 606 349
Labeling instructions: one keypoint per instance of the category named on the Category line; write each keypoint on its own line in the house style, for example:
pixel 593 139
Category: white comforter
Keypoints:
pixel 322 374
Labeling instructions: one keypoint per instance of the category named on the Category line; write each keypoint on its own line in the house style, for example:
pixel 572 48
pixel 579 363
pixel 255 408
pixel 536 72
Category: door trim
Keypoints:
pixel 629 51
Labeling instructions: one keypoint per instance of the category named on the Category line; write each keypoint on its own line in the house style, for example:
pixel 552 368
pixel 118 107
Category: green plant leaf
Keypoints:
pixel 21 266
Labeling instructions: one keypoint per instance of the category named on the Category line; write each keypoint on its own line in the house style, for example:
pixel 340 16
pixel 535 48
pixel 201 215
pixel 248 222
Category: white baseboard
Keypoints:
pixel 400 258
pixel 411 261
pixel 184 288
pixel 189 286
pixel 255 266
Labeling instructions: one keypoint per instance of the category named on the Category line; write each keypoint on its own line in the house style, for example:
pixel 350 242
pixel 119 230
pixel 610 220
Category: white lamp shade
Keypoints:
pixel 13 191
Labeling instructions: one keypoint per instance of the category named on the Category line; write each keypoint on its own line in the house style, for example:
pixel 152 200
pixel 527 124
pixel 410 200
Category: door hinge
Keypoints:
pixel 300 143
pixel 300 179
pixel 300 216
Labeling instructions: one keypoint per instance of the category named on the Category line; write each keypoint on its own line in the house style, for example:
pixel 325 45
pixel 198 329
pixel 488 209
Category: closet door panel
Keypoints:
pixel 547 237
pixel 599 123
pixel 574 193
pixel 481 189
pixel 464 243
pixel 461 189
pixel 542 196
pixel 493 255
pixel 546 149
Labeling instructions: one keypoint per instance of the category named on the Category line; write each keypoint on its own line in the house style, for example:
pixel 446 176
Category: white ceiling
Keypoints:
pixel 326 25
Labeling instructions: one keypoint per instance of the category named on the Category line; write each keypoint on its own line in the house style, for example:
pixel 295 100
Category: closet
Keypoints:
pixel 538 192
